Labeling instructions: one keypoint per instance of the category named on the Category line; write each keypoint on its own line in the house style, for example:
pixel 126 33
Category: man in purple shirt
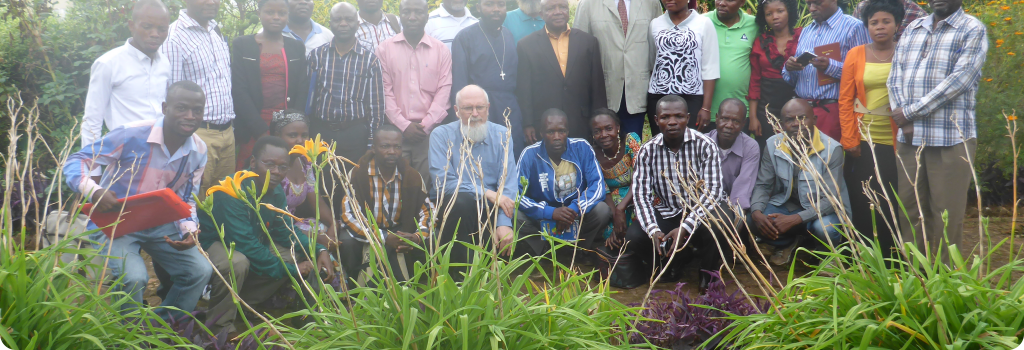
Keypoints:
pixel 739 153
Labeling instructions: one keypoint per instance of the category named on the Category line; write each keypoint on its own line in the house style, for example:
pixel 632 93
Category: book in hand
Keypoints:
pixel 830 51
pixel 141 212
pixel 551 227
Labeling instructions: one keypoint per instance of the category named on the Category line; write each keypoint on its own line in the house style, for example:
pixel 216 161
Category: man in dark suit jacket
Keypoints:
pixel 559 68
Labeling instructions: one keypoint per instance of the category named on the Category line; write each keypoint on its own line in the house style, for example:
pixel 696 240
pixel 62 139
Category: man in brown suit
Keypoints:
pixel 559 68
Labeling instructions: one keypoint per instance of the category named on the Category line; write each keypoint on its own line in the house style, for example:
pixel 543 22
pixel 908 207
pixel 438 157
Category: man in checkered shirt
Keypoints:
pixel 935 73
pixel 677 181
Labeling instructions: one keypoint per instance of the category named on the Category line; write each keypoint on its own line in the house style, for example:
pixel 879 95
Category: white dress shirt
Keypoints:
pixel 443 26
pixel 201 55
pixel 125 86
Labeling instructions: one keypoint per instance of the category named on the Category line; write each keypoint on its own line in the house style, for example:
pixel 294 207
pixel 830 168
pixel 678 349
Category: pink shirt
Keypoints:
pixel 417 81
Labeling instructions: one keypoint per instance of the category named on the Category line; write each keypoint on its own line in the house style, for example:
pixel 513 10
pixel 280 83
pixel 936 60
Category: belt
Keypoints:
pixel 859 107
pixel 819 103
pixel 218 127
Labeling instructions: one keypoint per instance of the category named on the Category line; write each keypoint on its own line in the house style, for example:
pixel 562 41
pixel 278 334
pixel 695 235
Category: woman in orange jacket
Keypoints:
pixel 865 116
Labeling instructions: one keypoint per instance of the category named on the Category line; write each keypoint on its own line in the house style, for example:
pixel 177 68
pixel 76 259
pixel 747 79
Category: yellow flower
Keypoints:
pixel 312 149
pixel 1011 118
pixel 1018 33
pixel 1005 8
pixel 1011 54
pixel 988 79
pixel 999 41
pixel 922 3
pixel 992 24
pixel 1007 19
pixel 279 211
pixel 231 184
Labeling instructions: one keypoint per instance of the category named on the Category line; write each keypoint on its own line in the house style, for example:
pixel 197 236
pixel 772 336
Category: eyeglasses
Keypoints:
pixel 470 109
pixel 272 166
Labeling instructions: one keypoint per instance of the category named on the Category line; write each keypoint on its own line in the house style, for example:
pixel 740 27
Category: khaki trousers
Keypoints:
pixel 253 289
pixel 943 177
pixel 220 156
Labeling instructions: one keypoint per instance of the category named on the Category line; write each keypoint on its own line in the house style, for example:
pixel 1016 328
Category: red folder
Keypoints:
pixel 141 211
pixel 828 51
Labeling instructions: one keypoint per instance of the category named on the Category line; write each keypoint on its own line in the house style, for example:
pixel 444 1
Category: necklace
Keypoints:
pixel 501 65
pixel 618 149
pixel 872 51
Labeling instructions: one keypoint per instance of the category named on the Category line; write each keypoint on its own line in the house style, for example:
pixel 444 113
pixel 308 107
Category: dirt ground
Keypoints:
pixel 998 226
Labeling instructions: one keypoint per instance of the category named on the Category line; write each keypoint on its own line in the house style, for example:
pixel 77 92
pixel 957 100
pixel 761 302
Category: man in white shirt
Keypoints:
pixel 129 83
pixel 302 28
pixel 446 21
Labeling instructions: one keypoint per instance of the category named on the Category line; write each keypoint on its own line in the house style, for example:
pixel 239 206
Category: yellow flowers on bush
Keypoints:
pixel 231 184
pixel 311 149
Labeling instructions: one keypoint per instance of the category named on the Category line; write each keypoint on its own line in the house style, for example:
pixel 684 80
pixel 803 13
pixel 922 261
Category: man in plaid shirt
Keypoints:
pixel 934 78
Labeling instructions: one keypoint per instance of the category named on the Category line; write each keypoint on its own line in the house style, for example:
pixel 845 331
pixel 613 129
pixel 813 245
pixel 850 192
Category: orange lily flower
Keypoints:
pixel 311 149
pixel 231 184
pixel 279 211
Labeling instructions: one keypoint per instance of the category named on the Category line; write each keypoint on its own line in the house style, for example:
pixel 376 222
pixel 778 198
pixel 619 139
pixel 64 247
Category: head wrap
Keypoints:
pixel 283 118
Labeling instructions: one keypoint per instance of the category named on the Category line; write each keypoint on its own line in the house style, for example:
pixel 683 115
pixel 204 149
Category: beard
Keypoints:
pixel 474 133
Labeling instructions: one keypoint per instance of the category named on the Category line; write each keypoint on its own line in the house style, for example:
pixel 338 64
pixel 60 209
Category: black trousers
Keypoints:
pixel 640 244
pixel 462 224
pixel 860 169
pixel 589 234
pixel 351 258
pixel 693 106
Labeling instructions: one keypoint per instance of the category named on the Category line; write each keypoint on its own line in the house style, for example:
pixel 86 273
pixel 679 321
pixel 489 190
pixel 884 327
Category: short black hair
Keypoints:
pixel 260 3
pixel 791 10
pixel 186 85
pixel 267 141
pixel 736 101
pixel 145 4
pixel 608 112
pixel 389 127
pixel 669 99
pixel 875 6
pixel 551 112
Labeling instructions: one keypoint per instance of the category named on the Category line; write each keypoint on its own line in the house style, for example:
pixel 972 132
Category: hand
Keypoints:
pixel 103 201
pixel 793 66
pixel 821 63
pixel 185 243
pixel 505 203
pixel 565 217
pixel 854 151
pixel 618 221
pixel 784 223
pixel 502 239
pixel 899 118
pixel 414 133
pixel 531 135
pixel 325 266
pixel 755 125
pixel 703 118
pixel 304 268
pixel 616 240
pixel 656 239
pixel 764 225
pixel 908 132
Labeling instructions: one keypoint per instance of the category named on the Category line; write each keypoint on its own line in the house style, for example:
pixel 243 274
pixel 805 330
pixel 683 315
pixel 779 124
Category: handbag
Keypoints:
pixel 621 270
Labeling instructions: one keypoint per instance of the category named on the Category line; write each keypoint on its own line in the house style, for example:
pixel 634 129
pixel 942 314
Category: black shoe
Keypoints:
pixel 672 275
pixel 705 281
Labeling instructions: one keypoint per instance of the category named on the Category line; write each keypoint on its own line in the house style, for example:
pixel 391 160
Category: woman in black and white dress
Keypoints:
pixel 684 45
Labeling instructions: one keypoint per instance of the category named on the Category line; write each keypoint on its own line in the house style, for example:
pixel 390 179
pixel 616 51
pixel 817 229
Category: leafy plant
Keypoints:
pixel 676 318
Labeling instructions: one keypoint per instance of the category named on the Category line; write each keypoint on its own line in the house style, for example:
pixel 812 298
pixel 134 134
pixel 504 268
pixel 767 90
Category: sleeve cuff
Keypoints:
pixel 835 69
pixel 757 207
pixel 807 215
pixel 504 220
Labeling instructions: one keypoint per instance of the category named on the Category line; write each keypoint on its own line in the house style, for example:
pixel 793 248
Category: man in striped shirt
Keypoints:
pixel 935 73
pixel 198 52
pixel 830 26
pixel 375 25
pixel 393 191
pixel 346 93
pixel 678 180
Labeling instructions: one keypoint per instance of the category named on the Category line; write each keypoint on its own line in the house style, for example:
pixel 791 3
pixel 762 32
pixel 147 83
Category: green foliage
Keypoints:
pixel 46 304
pixel 916 305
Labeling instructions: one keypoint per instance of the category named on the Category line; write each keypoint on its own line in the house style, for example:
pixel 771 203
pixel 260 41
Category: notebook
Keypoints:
pixel 141 211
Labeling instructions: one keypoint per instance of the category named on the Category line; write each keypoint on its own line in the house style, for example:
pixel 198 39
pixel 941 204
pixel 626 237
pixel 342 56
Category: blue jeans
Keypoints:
pixel 819 228
pixel 189 269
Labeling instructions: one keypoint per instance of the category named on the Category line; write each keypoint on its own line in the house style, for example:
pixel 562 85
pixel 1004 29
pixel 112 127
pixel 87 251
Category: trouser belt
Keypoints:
pixel 218 127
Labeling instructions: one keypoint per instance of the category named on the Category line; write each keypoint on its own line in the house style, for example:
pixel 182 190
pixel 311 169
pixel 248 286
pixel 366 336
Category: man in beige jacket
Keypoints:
pixel 621 27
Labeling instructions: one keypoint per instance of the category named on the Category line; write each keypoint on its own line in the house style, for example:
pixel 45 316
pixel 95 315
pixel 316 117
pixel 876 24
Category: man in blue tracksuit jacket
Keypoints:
pixel 564 192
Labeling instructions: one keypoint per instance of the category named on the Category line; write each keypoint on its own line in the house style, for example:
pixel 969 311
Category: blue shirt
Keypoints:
pixel 318 36
pixel 137 161
pixel 493 156
pixel 522 25
pixel 849 32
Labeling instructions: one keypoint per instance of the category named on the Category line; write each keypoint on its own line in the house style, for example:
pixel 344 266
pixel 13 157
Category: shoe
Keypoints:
pixel 705 281
pixel 672 275
pixel 784 256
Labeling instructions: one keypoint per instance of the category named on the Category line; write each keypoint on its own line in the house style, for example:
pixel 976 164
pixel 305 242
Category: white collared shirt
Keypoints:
pixel 201 55
pixel 125 86
pixel 443 26
pixel 317 37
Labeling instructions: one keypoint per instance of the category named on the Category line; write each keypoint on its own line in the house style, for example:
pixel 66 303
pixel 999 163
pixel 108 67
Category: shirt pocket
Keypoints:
pixel 429 77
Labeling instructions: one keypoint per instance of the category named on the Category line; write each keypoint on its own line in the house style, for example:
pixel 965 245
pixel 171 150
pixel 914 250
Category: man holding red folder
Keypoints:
pixel 142 157
pixel 829 37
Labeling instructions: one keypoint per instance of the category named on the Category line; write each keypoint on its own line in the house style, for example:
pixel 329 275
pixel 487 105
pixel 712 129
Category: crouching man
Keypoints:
pixel 565 196
pixel 258 270
pixel 801 169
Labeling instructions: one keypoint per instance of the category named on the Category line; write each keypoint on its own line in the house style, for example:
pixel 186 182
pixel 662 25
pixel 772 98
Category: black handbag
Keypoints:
pixel 621 270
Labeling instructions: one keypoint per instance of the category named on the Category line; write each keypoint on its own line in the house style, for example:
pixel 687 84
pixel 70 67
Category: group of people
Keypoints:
pixel 543 137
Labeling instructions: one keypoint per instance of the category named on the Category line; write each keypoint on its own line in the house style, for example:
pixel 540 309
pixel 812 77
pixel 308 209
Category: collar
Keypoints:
pixel 737 146
pixel 374 171
pixel 190 22
pixel 426 40
pixel 358 48
pixel 816 144
pixel 383 19
pixel 139 55
pixel 689 17
pixel 956 20
pixel 833 21
pixel 156 136
pixel 316 29
pixel 744 20
pixel 687 137
pixel 565 33
pixel 525 17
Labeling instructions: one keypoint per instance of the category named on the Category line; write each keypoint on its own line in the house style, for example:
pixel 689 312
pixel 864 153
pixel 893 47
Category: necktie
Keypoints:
pixel 622 14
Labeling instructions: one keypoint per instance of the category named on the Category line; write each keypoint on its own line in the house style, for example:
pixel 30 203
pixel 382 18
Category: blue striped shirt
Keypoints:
pixel 849 32
pixel 346 87
pixel 935 75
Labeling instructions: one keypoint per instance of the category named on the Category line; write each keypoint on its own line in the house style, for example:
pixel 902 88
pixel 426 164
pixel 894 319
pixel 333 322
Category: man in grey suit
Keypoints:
pixel 620 27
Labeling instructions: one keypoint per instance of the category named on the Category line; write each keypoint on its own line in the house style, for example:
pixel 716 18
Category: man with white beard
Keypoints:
pixel 473 168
